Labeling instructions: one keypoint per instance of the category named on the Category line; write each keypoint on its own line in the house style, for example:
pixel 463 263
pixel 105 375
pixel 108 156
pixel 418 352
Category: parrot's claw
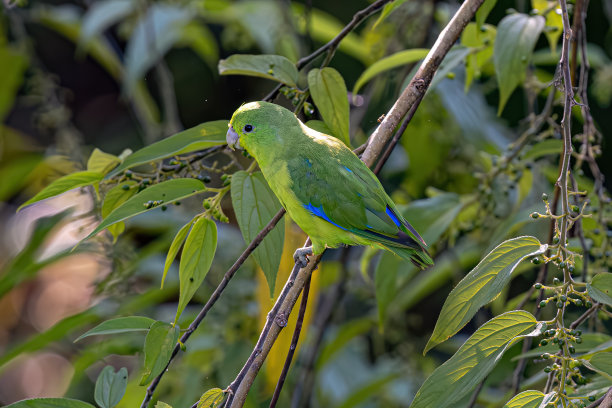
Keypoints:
pixel 301 256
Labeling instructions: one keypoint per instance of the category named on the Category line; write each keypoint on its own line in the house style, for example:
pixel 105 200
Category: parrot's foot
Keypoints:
pixel 301 256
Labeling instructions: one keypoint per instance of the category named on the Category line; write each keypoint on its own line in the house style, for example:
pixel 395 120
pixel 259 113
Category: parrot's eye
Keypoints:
pixel 248 128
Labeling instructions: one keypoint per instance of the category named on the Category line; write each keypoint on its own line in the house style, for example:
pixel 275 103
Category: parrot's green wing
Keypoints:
pixel 338 187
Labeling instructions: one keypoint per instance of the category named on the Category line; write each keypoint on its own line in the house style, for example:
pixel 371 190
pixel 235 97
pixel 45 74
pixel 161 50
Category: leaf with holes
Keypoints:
pixel 196 259
pixel 481 285
pixel 158 348
pixel 178 240
pixel 274 67
pixel 255 205
pixel 329 94
pixel 517 34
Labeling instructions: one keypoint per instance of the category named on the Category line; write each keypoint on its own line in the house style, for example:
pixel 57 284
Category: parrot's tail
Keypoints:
pixel 418 256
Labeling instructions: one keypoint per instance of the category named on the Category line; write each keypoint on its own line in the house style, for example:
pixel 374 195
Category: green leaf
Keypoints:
pixel 161 404
pixel 119 325
pixel 387 10
pixel 101 15
pixel 601 362
pixel 174 248
pixel 153 36
pixel 196 259
pixel 158 348
pixel 50 403
pixel 329 94
pixel 475 359
pixel 166 191
pixel 544 148
pixel 199 137
pixel 481 285
pixel 483 11
pixel 526 399
pixel 12 67
pixel 117 196
pixel 600 288
pixel 255 205
pixel 480 39
pixel 343 335
pixel 392 61
pixel 385 282
pixel 274 67
pixel 211 398
pixel 101 162
pixel 110 386
pixel 63 184
pixel 517 34
pixel 368 389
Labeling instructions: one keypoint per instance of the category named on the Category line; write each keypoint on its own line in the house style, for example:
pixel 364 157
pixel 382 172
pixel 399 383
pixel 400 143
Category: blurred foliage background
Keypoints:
pixel 121 74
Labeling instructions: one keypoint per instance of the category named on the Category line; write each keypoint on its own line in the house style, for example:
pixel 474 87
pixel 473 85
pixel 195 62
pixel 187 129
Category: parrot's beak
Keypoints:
pixel 233 140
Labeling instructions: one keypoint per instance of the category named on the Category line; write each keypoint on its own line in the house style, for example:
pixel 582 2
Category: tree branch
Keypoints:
pixel 213 299
pixel 414 92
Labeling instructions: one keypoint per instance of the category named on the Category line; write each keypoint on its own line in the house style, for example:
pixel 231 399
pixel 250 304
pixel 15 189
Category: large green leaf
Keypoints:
pixel 475 359
pixel 153 36
pixel 517 35
pixel 481 285
pixel 119 325
pixel 196 259
pixel 63 184
pixel 158 348
pixel 50 403
pixel 526 399
pixel 392 61
pixel 178 240
pixel 199 137
pixel 275 67
pixel 600 288
pixel 387 10
pixel 601 362
pixel 110 386
pixel 166 191
pixel 329 93
pixel 483 11
pixel 255 205
pixel 480 39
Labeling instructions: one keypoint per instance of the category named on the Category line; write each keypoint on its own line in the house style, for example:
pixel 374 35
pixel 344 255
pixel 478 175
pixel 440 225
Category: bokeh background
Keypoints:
pixel 65 90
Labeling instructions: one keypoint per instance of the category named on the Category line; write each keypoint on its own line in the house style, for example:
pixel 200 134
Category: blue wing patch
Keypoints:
pixel 393 217
pixel 318 211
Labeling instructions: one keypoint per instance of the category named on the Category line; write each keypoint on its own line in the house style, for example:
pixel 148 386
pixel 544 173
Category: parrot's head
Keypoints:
pixel 260 127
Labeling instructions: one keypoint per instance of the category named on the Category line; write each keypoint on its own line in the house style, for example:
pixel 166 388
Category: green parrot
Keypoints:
pixel 326 189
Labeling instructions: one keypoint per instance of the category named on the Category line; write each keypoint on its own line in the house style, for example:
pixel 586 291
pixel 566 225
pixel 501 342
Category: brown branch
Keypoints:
pixel 415 90
pixel 213 298
pixel 603 402
pixel 585 316
pixel 293 346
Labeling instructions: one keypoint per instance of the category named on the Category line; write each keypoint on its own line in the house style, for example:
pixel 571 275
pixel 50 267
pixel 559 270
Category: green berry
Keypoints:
pixel 534 215
pixel 563 298
pixel 547 369
pixel 177 203
pixel 164 208
pixel 591 398
pixel 572 349
pixel 537 285
pixel 544 197
pixel 571 268
pixel 556 240
pixel 125 187
pixel 543 342
pixel 206 204
pixel 556 281
pixel 575 208
pixel 562 264
pixel 588 304
pixel 129 174
pixel 536 261
pixel 542 303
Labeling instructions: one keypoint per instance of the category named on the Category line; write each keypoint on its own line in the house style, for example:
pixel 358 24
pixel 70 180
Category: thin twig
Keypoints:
pixel 213 298
pixel 585 316
pixel 603 402
pixel 334 42
pixel 293 346
pixel 475 394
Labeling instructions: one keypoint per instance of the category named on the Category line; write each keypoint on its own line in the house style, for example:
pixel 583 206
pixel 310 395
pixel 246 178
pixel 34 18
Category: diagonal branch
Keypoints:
pixel 412 96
